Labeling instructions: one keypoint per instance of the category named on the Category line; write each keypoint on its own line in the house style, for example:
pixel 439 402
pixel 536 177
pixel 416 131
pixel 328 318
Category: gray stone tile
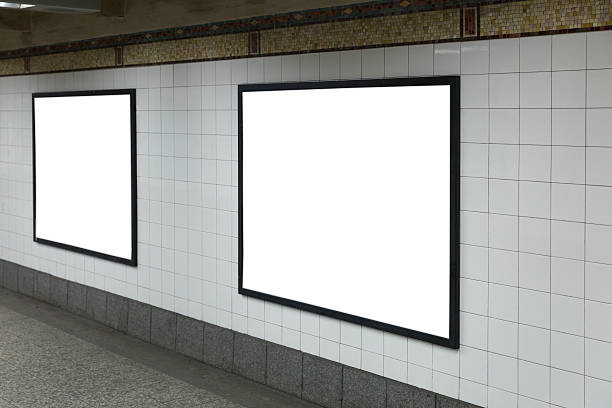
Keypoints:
pixel 35 351
pixel 23 398
pixel 10 274
pixel 26 328
pixel 11 348
pixel 90 384
pixel 60 400
pixel 77 298
pixel 118 373
pixel 43 363
pixel 139 320
pixel 117 312
pixel 168 389
pixel 400 395
pixel 132 399
pixel 58 291
pixel 446 402
pixel 218 347
pixel 284 369
pixel 52 358
pixel 200 399
pixel 56 342
pixel 362 389
pixel 322 381
pixel 96 304
pixel 197 402
pixel 23 390
pixel 250 357
pixel 26 281
pixel 163 328
pixel 94 359
pixel 42 286
pixel 8 315
pixel 189 336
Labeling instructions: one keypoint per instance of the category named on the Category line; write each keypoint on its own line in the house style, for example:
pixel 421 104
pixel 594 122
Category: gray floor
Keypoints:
pixel 51 358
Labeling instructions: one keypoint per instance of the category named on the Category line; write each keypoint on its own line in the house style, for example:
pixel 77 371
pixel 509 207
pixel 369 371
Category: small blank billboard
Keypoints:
pixel 84 163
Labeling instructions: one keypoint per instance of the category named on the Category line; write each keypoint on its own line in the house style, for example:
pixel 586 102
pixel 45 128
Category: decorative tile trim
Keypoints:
pixel 285 369
pixel 299 18
pixel 13 66
pixel 254 43
pixel 104 57
pixel 470 22
pixel 379 31
pixel 357 26
pixel 204 48
pixel 544 17
pixel 118 56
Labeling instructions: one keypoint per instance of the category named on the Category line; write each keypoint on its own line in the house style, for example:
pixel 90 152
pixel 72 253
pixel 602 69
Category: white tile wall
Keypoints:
pixel 536 232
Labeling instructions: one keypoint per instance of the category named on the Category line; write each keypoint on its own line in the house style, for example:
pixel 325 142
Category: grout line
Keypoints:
pixel 342 385
pixel 532 289
pixel 532 326
pixel 518 211
pixel 550 237
pixel 488 210
pixel 585 225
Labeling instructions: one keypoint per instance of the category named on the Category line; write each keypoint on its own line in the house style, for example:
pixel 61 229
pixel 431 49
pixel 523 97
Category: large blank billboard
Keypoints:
pixel 84 162
pixel 348 201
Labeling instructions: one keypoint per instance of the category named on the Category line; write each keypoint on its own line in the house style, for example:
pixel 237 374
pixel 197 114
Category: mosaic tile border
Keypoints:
pixel 349 12
pixel 13 66
pixel 357 26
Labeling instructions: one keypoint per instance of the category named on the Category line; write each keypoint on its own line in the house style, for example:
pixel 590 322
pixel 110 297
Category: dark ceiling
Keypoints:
pixel 42 25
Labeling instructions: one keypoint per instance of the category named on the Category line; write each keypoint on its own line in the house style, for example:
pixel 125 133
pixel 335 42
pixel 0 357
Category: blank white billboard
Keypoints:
pixel 84 177
pixel 348 205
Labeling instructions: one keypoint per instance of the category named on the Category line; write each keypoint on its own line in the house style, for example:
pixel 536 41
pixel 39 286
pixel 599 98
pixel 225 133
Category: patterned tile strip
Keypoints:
pixel 379 31
pixel 544 16
pixel 499 20
pixel 204 48
pixel 70 61
pixel 316 16
pixel 12 66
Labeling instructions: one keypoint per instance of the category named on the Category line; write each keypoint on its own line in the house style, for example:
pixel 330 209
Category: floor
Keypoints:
pixel 52 358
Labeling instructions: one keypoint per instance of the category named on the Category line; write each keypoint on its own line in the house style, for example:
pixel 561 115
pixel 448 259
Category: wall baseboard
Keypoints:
pixel 311 378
